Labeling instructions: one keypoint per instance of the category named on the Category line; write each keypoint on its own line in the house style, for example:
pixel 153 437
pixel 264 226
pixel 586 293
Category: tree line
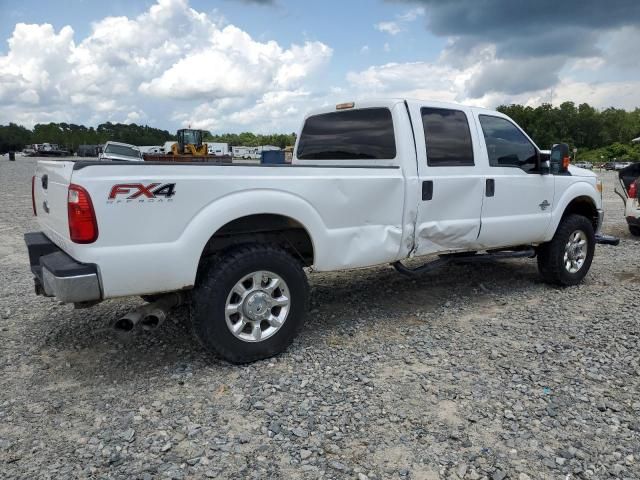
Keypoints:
pixel 70 136
pixel 599 135
pixel 249 139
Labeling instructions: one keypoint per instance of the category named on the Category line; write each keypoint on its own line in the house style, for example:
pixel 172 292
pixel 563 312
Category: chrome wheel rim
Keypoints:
pixel 257 306
pixel 575 251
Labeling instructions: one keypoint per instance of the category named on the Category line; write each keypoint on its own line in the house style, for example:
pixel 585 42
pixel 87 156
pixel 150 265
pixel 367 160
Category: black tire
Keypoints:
pixel 551 263
pixel 634 230
pixel 150 298
pixel 216 280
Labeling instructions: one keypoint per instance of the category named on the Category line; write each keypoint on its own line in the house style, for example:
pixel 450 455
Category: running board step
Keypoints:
pixel 457 259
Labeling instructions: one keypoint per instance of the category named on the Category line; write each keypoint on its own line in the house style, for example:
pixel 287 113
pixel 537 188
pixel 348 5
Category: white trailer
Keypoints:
pixel 252 152
pixel 218 149
pixel 245 152
pixel 151 149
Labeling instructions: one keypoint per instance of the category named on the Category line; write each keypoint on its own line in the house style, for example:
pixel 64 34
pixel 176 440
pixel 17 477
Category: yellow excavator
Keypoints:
pixel 189 143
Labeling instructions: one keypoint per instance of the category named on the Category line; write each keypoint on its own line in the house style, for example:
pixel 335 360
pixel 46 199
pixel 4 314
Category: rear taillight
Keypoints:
pixel 33 195
pixel 633 190
pixel 83 227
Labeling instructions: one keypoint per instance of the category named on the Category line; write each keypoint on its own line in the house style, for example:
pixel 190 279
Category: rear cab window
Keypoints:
pixel 362 134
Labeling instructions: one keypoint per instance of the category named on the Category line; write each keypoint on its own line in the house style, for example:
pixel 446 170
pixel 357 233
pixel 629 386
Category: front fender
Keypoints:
pixel 581 188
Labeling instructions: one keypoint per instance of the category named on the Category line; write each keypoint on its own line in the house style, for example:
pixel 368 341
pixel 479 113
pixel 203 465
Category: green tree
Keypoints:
pixel 13 137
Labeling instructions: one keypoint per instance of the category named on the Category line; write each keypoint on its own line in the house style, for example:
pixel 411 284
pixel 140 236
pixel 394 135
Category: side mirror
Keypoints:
pixel 544 166
pixel 559 159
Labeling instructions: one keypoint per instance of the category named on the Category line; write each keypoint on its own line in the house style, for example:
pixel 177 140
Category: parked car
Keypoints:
pixel 587 165
pixel 374 183
pixel 620 165
pixel 121 151
pixel 628 189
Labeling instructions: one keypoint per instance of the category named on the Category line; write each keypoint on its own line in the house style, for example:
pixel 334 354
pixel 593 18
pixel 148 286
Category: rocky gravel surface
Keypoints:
pixel 474 372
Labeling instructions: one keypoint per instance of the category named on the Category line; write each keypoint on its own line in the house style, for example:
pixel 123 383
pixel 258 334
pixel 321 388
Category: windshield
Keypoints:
pixel 123 150
pixel 191 137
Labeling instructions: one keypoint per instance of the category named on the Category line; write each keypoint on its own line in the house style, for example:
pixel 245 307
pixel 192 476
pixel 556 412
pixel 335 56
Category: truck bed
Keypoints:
pixel 354 214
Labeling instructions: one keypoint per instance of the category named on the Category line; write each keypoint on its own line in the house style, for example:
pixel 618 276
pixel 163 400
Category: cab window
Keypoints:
pixel 447 136
pixel 506 144
pixel 363 134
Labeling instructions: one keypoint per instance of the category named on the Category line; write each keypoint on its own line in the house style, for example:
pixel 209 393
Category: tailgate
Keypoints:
pixel 50 195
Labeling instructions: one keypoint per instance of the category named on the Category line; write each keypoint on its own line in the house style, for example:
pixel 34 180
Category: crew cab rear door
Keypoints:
pixel 449 208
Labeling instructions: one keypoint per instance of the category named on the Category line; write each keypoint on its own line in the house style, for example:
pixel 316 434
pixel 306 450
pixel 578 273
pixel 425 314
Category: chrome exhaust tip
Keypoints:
pixel 153 319
pixel 127 323
pixel 150 315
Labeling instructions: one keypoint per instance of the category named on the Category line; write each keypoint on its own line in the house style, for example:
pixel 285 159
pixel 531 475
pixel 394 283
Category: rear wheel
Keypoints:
pixel 150 298
pixel 566 259
pixel 250 303
pixel 634 230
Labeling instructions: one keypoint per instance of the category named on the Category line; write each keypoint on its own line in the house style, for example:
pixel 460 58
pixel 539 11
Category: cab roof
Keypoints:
pixel 392 102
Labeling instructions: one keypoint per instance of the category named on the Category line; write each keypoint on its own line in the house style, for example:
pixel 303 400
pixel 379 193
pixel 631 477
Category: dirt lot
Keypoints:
pixel 472 372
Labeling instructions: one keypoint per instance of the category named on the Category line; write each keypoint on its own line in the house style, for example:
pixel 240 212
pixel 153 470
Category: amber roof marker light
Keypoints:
pixel 345 106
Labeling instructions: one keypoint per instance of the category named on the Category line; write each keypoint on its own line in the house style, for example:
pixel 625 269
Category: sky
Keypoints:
pixel 259 65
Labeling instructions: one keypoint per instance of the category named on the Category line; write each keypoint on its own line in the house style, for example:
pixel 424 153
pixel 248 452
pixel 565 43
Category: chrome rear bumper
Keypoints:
pixel 58 275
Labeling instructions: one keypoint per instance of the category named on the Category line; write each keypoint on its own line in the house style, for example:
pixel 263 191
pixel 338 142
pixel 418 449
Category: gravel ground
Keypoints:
pixel 471 372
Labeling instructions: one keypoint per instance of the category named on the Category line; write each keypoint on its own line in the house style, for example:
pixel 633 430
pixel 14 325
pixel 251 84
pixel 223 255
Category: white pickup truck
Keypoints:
pixel 371 183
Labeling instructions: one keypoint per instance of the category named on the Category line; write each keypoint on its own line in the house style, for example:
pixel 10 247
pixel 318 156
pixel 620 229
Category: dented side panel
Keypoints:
pixel 451 221
pixel 354 217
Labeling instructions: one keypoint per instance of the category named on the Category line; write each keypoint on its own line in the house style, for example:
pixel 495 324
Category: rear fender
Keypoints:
pixel 241 204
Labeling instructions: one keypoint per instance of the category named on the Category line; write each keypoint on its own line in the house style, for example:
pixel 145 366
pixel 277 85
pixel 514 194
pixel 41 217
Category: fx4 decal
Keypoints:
pixel 142 193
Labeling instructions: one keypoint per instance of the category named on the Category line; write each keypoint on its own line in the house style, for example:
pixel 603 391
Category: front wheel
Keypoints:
pixel 566 259
pixel 250 303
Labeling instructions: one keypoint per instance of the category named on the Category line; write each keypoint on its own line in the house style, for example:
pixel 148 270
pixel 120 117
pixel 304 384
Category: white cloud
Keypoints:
pixel 408 80
pixel 392 28
pixel 412 14
pixel 133 117
pixel 601 94
pixel 232 64
pixel 171 53
pixel 37 57
pixel 274 111
pixel 173 65
pixel 622 47
pixel 442 82
pixel 588 63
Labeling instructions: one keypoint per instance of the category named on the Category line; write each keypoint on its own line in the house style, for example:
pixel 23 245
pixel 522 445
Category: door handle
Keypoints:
pixel 490 189
pixel 427 190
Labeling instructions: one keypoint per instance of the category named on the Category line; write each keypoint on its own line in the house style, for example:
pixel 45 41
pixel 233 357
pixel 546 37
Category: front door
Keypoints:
pixel 518 200
pixel 448 213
